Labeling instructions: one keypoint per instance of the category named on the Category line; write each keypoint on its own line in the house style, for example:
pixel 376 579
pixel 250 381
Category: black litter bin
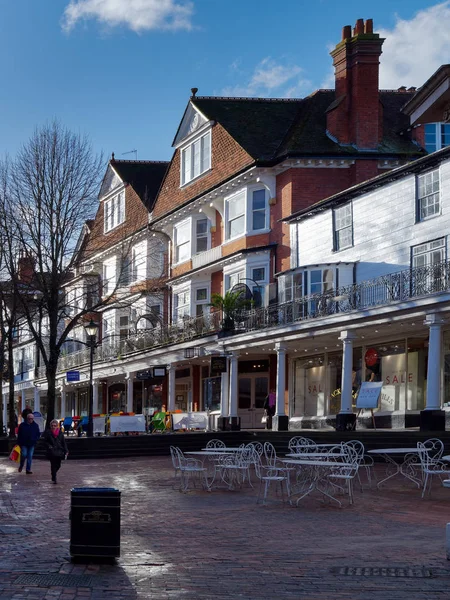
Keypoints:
pixel 95 522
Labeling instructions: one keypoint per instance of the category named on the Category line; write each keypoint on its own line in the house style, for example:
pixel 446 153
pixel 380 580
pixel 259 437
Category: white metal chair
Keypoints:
pixel 191 469
pixel 214 443
pixel 346 471
pixel 365 461
pixel 175 460
pixel 430 453
pixel 300 444
pixel 268 475
pixel 235 468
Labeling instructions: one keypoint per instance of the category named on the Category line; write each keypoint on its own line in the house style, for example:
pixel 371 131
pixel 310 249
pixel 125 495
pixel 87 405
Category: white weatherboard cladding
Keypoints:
pixel 384 229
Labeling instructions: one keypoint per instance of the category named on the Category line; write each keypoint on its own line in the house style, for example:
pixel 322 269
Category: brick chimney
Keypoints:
pixel 25 268
pixel 355 116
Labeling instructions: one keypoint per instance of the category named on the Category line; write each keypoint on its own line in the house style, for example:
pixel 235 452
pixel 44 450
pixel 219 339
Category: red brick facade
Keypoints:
pixel 227 159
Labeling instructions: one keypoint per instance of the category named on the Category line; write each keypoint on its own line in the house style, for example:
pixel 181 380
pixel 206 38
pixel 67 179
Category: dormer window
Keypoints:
pixel 196 158
pixel 114 211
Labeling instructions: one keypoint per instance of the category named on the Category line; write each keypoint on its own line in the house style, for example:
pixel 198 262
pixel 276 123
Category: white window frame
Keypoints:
pixel 438 133
pixel 183 230
pixel 114 211
pixel 428 251
pixel 138 262
pixel 206 236
pixel 109 276
pixel 186 306
pixel 109 325
pixel 428 197
pixel 201 147
pixel 343 222
pixel 204 303
pixel 245 196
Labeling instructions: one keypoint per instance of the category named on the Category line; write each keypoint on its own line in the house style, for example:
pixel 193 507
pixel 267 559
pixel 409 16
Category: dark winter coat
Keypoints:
pixel 28 434
pixel 56 446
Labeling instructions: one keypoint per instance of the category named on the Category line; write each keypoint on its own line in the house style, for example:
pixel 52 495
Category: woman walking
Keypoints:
pixel 56 447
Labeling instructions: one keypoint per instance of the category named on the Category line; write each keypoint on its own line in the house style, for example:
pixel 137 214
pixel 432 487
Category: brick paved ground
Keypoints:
pixel 221 545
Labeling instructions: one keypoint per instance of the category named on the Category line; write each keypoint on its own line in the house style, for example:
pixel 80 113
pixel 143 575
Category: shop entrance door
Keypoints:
pixel 252 392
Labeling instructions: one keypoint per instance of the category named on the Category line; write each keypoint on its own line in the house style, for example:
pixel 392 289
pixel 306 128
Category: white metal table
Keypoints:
pixel 316 474
pixel 407 467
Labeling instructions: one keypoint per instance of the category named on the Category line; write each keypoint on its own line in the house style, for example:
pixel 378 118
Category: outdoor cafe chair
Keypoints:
pixel 235 468
pixel 299 444
pixel 190 469
pixel 215 443
pixel 345 472
pixel 429 456
pixel 158 422
pixel 364 461
pixel 175 460
pixel 268 475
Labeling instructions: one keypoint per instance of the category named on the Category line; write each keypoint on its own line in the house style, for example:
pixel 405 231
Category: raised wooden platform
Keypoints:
pixel 158 444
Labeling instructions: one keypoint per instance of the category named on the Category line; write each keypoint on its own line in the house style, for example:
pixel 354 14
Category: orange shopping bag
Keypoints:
pixel 15 454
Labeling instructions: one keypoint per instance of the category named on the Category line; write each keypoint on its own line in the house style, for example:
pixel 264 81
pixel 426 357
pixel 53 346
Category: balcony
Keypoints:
pixel 382 291
pixel 162 335
pixel 206 257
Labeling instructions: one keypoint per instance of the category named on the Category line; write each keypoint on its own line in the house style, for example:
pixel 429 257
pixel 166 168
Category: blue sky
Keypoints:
pixel 121 70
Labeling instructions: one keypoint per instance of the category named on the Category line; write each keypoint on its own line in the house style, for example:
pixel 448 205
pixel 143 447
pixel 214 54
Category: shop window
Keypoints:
pixel 343 227
pixel 428 196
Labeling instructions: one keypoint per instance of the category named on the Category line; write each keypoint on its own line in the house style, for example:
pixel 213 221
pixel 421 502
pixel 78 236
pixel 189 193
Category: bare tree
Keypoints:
pixel 52 191
pixel 48 209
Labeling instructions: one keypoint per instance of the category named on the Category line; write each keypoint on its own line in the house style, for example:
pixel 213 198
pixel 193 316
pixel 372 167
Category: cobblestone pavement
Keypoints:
pixel 390 544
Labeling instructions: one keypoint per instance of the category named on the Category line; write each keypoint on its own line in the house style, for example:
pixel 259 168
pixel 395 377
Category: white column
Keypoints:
pixel 434 362
pixel 281 379
pixel 95 410
pixel 234 388
pixel 224 395
pixel 37 400
pixel 5 409
pixel 347 338
pixel 171 389
pixel 129 392
pixel 23 401
pixel 63 402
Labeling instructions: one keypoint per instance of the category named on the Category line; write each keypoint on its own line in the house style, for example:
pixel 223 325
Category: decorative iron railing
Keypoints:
pixel 384 290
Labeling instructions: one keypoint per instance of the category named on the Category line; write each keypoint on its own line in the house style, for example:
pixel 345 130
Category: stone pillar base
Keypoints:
pixel 234 423
pixel 222 423
pixel 345 421
pixel 432 420
pixel 280 423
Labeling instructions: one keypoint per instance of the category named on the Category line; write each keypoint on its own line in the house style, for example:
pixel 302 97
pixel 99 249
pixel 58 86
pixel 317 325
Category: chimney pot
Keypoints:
pixel 194 91
pixel 412 89
pixel 402 88
pixel 346 32
pixel 359 27
pixel 368 26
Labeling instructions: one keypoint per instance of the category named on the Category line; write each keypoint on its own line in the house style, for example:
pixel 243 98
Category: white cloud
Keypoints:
pixel 137 15
pixel 271 78
pixel 414 49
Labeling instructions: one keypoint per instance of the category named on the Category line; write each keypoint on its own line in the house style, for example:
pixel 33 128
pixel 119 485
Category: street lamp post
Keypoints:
pixel 91 331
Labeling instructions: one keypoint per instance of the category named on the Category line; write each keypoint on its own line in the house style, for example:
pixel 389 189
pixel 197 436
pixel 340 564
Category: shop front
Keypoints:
pixel 400 364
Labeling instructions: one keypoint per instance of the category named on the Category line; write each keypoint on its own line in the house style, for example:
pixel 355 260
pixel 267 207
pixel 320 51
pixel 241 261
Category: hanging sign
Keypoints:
pixel 72 376
pixel 218 366
pixel 143 375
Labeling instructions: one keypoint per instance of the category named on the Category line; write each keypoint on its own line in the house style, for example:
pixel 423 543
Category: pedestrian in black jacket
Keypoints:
pixel 56 447
pixel 27 438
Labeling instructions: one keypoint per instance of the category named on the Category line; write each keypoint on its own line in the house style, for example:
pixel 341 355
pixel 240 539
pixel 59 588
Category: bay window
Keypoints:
pixel 182 307
pixel 183 242
pixel 246 212
pixel 236 216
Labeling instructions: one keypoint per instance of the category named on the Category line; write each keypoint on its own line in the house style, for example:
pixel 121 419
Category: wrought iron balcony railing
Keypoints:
pixel 384 290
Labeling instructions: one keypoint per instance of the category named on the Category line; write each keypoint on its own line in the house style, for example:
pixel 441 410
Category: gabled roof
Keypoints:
pixel 273 129
pixel 145 176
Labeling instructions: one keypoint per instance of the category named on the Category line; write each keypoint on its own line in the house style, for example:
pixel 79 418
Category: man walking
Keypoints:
pixel 27 438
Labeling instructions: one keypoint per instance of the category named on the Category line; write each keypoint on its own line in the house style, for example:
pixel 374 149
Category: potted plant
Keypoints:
pixel 230 304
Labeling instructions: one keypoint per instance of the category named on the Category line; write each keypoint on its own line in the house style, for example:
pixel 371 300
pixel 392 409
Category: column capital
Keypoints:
pixel 233 355
pixel 433 319
pixel 347 336
pixel 280 347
